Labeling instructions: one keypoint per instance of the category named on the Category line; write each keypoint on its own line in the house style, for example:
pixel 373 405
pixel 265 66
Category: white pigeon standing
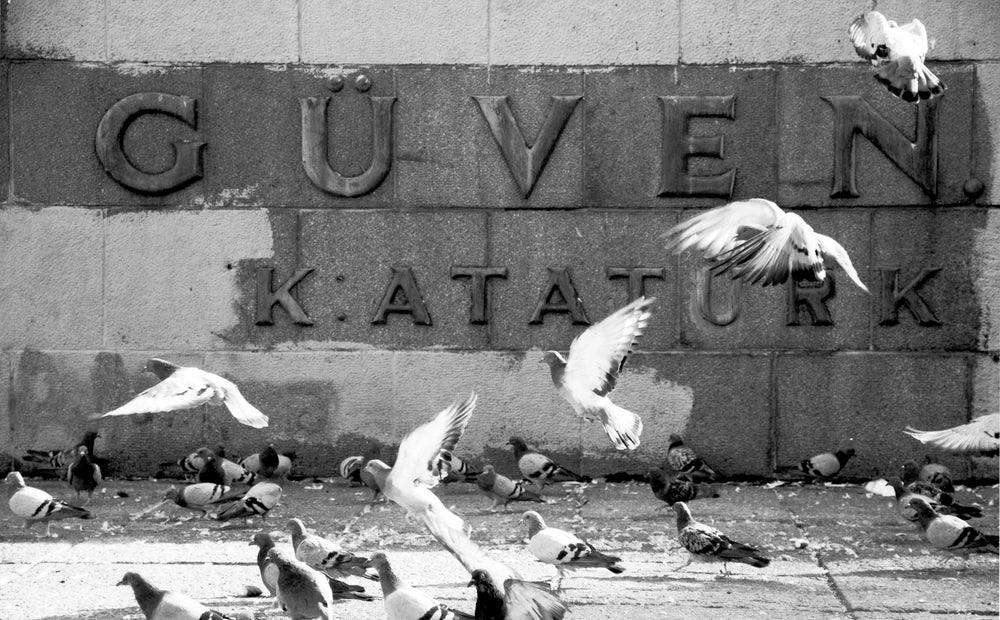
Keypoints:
pixel 33 505
pixel 898 54
pixel 758 242
pixel 404 602
pixel 981 436
pixel 186 387
pixel 564 550
pixel 588 374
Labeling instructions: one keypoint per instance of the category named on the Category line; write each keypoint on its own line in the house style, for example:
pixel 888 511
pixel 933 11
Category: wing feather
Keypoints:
pixel 868 32
pixel 717 230
pixel 174 393
pixel 419 450
pixel 238 406
pixel 834 254
pixel 598 354
pixel 982 435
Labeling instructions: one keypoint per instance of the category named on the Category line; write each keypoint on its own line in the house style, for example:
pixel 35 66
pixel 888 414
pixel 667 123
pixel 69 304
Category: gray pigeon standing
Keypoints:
pixel 302 592
pixel 588 374
pixel 157 604
pixel 502 490
pixel 404 602
pixel 83 474
pixel 540 469
pixel 704 543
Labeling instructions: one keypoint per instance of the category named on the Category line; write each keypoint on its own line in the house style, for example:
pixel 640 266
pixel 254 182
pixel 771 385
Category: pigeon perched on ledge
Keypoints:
pixel 757 242
pixel 590 371
pixel 897 53
pixel 186 387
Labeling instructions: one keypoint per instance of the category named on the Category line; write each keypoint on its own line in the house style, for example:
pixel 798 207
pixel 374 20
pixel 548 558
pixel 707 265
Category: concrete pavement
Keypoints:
pixel 860 560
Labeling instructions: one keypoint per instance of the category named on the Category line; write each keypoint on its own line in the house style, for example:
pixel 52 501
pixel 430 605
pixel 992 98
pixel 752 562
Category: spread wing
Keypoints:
pixel 598 354
pixel 528 600
pixel 982 435
pixel 178 391
pixel 419 450
pixel 718 230
pixel 834 255
pixel 788 248
pixel 868 33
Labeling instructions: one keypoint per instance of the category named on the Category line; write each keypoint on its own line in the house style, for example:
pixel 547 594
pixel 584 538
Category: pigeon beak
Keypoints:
pixel 471 583
pixel 121 583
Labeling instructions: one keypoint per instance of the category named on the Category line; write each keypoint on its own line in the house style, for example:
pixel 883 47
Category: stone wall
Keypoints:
pixel 100 275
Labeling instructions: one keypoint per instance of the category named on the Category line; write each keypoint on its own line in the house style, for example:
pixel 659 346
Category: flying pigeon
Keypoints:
pixel 83 474
pixel 933 474
pixel 564 550
pixel 200 497
pixel 325 555
pixel 267 463
pixel 185 387
pixel 704 543
pixel 981 436
pixel 588 374
pixel 679 489
pixel 409 481
pixel 454 469
pixel 826 465
pixel 259 500
pixel 897 53
pixel 157 604
pixel 758 242
pixel 33 504
pixel 302 592
pixel 404 602
pixel 941 502
pixel 502 490
pixel 519 600
pixel 684 461
pixel 540 469
pixel 950 533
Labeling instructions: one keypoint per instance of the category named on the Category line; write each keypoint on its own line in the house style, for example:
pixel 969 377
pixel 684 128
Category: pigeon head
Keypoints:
pixel 160 368
pixel 205 452
pixel 15 478
pixel 554 359
pixel 897 485
pixel 655 474
pixel 483 583
pixel 518 443
pixel 922 506
pixel 296 527
pixel 171 493
pixel 683 515
pixel 81 450
pixel 910 471
pixel 675 440
pixel 379 561
pixel 131 579
pixel 262 540
pixel 535 522
pixel 378 470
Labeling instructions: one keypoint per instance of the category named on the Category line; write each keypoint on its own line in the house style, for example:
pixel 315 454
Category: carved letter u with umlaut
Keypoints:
pixel 315 155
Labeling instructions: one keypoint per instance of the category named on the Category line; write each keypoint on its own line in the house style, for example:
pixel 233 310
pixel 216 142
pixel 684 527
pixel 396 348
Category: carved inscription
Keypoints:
pixel 402 297
pixel 854 115
pixel 893 297
pixel 477 288
pixel 525 162
pixel 315 154
pixel 559 295
pixel 187 166
pixel 812 298
pixel 267 299
pixel 707 304
pixel 677 146
pixel 637 277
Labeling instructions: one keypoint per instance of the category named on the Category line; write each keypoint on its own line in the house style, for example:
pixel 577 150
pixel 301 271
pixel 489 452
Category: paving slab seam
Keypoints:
pixel 14 575
pixel 817 556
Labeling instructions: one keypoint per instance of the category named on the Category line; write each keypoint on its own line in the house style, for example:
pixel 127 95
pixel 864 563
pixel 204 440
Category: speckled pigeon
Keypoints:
pixel 704 543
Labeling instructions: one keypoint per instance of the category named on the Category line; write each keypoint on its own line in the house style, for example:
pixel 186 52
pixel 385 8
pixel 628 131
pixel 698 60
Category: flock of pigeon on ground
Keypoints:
pixel 752 240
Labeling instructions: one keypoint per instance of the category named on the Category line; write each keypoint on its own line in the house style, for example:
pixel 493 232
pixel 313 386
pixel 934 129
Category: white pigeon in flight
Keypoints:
pixel 186 387
pixel 410 480
pixel 759 243
pixel 898 53
pixel 980 436
pixel 588 374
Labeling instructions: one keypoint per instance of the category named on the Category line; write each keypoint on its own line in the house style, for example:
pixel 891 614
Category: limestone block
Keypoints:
pixel 53 283
pixel 257 31
pixel 744 316
pixel 958 296
pixel 806 138
pixel 863 401
pixel 55 112
pixel 61 29
pixel 986 139
pixel 530 243
pixel 643 32
pixel 354 253
pixel 342 31
pixel 254 131
pixel 625 123
pixel 170 280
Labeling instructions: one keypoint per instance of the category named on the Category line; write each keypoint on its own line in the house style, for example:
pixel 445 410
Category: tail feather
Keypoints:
pixel 746 554
pixel 622 426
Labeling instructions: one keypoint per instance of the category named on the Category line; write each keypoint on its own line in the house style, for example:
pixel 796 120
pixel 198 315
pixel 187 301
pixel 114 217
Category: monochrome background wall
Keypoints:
pixel 102 270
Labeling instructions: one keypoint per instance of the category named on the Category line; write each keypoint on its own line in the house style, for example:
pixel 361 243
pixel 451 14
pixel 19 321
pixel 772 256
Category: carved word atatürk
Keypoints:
pixel 558 295
pixel 526 158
